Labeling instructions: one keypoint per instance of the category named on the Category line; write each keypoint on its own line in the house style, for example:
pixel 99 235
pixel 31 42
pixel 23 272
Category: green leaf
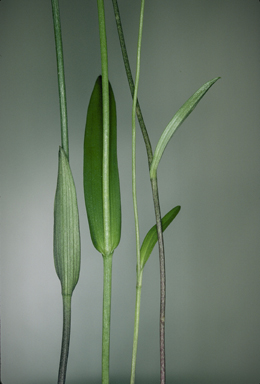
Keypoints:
pixel 93 172
pixel 151 238
pixel 66 228
pixel 176 121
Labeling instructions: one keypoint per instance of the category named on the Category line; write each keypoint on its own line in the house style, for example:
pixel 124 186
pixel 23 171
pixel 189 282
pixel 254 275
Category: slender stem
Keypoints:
pixel 107 281
pixel 131 82
pixel 65 145
pixel 139 271
pixel 157 209
pixel 65 338
pixel 61 76
pixel 154 186
pixel 138 62
pixel 136 327
pixel 107 258
pixel 105 100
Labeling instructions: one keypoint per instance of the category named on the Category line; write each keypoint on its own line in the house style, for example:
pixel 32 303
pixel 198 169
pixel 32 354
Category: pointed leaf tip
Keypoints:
pixel 151 238
pixel 176 121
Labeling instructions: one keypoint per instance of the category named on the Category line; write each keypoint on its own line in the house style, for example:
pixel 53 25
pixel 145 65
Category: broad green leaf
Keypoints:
pixel 176 121
pixel 66 247
pixel 93 156
pixel 151 238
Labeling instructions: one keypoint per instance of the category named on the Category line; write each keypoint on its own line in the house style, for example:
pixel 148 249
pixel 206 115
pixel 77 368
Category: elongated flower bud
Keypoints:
pixel 66 228
pixel 93 171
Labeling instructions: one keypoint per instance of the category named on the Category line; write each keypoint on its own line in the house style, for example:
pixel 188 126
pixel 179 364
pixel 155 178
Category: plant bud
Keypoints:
pixel 66 228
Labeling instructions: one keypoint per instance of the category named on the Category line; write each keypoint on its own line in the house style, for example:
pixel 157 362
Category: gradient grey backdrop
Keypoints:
pixel 210 168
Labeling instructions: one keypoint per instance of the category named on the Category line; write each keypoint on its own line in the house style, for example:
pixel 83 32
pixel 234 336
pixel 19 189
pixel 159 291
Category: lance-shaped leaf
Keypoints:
pixel 176 121
pixel 151 238
pixel 66 228
pixel 93 160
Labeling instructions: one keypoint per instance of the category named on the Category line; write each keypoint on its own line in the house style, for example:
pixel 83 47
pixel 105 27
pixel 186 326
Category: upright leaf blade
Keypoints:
pixel 151 237
pixel 92 173
pixel 66 228
pixel 114 185
pixel 176 121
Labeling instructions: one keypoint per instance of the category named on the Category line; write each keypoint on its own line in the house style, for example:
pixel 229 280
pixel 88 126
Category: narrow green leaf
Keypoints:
pixel 66 228
pixel 176 121
pixel 151 238
pixel 93 156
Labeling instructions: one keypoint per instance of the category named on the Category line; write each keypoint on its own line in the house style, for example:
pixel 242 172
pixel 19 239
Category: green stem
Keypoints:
pixel 61 76
pixel 139 272
pixel 138 62
pixel 107 281
pixel 107 258
pixel 136 327
pixel 65 338
pixel 131 82
pixel 154 186
pixel 157 210
pixel 105 101
pixel 65 145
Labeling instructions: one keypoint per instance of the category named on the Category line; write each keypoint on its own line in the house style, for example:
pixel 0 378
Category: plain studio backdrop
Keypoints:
pixel 210 168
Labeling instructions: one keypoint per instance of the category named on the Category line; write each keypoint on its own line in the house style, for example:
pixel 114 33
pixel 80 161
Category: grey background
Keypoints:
pixel 210 168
